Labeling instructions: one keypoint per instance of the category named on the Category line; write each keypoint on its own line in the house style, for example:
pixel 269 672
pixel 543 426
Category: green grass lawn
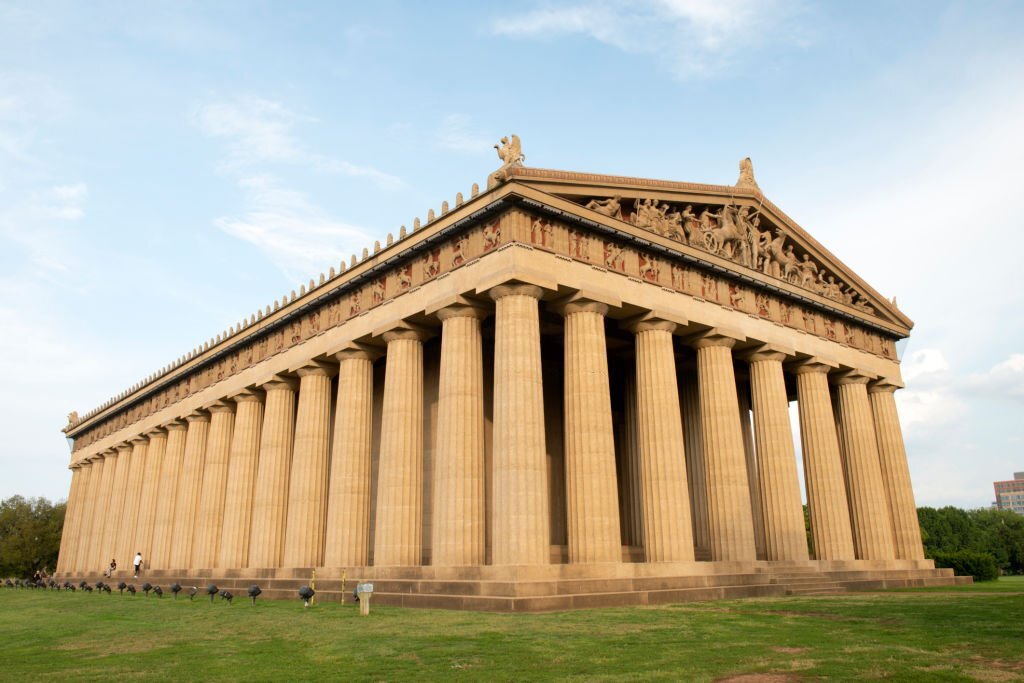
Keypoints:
pixel 968 633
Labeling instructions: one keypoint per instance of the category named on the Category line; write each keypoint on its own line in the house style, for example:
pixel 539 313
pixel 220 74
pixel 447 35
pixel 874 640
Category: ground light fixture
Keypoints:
pixel 306 594
pixel 254 591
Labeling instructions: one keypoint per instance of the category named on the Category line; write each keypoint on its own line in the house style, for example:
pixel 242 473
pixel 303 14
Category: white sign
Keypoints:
pixel 364 588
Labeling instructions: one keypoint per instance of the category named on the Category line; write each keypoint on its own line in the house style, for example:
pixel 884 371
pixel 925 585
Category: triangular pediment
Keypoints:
pixel 737 224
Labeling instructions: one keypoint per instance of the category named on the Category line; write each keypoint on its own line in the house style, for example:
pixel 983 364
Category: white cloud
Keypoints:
pixel 1004 380
pixel 458 135
pixel 261 131
pixel 295 235
pixel 696 38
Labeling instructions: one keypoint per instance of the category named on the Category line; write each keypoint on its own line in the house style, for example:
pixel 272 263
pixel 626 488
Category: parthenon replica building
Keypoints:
pixel 566 390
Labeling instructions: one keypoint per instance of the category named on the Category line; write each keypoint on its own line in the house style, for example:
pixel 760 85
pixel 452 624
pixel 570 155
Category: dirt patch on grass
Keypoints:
pixel 770 677
pixel 790 650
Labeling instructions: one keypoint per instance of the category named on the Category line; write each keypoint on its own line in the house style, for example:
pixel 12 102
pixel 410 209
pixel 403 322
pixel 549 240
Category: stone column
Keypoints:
pixel 459 522
pixel 132 499
pixel 630 487
pixel 895 472
pixel 398 536
pixel 149 494
pixel 106 505
pixel 242 461
pixel 348 508
pixel 85 558
pixel 519 479
pixel 189 487
pixel 214 485
pixel 869 509
pixel 307 496
pixel 730 521
pixel 270 497
pixel 590 482
pixel 779 488
pixel 72 513
pixel 689 398
pixel 166 504
pixel 753 473
pixel 823 467
pixel 664 495
pixel 114 530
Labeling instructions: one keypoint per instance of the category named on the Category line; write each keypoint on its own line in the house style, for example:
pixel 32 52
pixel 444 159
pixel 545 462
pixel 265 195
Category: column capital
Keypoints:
pixel 156 433
pixel 654 320
pixel 248 396
pixel 402 330
pixel 317 368
pixel 515 289
pixel 126 447
pixel 139 440
pixel 175 425
pixel 852 377
pixel 221 406
pixel 358 351
pixel 814 364
pixel 585 302
pixel 767 352
pixel 457 306
pixel 716 336
pixel 279 382
pixel 197 416
pixel 884 385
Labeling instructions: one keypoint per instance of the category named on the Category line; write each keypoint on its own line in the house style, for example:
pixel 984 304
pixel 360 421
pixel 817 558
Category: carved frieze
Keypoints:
pixel 739 233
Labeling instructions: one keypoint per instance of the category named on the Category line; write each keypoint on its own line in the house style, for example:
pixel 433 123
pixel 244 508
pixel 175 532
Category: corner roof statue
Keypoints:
pixel 511 154
pixel 746 178
pixel 551 284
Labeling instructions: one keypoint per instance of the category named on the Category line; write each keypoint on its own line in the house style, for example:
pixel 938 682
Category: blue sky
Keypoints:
pixel 166 169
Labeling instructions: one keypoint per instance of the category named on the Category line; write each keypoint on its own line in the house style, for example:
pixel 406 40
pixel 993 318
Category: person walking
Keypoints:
pixel 138 564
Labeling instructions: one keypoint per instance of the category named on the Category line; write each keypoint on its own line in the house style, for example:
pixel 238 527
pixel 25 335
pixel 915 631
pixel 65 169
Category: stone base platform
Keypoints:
pixel 561 587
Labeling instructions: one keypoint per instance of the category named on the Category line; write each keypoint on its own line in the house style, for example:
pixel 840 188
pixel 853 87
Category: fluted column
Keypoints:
pixel 753 474
pixel 664 492
pixel 307 495
pixel 520 488
pixel 106 504
pixel 80 538
pixel 869 508
pixel 823 467
pixel 689 399
pixel 630 487
pixel 270 498
pixel 113 534
pixel 214 485
pixel 779 487
pixel 189 487
pixel 72 510
pixel 398 536
pixel 242 461
pixel 590 481
pixel 348 508
pixel 85 558
pixel 895 472
pixel 459 522
pixel 150 492
pixel 132 498
pixel 167 498
pixel 730 521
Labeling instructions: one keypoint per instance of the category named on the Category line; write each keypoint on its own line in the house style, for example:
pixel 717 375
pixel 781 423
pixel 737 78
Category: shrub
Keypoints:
pixel 981 566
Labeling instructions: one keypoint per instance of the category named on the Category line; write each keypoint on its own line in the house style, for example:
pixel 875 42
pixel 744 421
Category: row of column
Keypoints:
pixel 263 479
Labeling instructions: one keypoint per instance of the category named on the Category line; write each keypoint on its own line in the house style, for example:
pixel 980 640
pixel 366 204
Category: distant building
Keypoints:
pixel 1010 494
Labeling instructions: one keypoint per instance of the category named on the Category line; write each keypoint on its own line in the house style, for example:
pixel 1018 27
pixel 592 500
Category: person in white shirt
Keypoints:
pixel 138 563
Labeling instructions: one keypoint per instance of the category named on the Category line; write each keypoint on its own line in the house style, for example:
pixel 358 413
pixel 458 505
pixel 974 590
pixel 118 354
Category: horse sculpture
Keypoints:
pixel 727 236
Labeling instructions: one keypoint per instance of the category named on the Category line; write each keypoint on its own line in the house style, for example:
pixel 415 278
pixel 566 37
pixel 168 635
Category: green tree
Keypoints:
pixel 998 533
pixel 29 535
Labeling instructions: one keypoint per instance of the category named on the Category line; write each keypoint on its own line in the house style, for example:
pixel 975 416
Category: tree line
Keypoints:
pixel 29 535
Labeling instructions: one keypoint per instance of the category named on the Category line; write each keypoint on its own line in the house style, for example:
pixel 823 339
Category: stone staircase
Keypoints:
pixel 556 593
